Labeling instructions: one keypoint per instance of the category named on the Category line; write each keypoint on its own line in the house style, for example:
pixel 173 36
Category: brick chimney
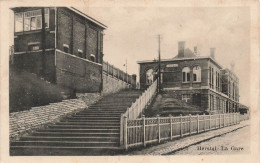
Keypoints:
pixel 181 47
pixel 195 50
pixel 212 52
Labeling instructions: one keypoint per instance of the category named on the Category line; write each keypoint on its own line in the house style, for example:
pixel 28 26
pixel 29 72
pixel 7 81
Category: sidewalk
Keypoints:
pixel 175 145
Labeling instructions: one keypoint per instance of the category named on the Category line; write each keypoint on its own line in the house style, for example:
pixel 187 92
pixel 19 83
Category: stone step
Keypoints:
pixel 88 123
pixel 97 115
pixel 75 134
pixel 70 138
pixel 90 120
pixel 83 127
pixel 75 130
pixel 62 151
pixel 94 118
pixel 65 143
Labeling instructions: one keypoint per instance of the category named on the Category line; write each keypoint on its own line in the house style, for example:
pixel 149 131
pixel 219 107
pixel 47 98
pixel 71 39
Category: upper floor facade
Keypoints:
pixel 64 28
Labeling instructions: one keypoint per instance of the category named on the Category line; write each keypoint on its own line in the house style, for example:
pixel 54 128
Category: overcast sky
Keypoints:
pixel 132 35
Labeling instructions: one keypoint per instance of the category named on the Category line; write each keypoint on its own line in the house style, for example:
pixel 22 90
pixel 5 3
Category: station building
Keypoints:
pixel 198 80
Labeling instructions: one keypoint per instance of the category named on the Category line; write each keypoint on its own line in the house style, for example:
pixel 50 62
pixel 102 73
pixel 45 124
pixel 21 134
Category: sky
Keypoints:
pixel 132 34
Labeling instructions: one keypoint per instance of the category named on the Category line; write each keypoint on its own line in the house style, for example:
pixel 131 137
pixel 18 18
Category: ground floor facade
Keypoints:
pixel 209 100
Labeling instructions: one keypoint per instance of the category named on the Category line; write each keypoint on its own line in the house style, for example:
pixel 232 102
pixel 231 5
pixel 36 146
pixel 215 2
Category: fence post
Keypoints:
pixel 121 130
pixel 181 125
pixel 125 133
pixel 204 119
pixel 158 123
pixel 190 123
pixel 198 123
pixel 171 125
pixel 144 130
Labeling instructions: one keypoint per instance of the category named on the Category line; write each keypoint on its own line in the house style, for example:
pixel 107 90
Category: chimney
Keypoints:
pixel 212 52
pixel 195 50
pixel 181 48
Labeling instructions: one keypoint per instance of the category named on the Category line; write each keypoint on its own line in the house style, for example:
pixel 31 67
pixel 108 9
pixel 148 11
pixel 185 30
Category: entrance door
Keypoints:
pixel 196 99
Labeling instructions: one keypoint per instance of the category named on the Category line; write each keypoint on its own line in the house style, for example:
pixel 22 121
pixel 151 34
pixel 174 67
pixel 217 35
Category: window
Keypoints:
pixel 18 18
pixel 66 48
pixel 186 74
pixel 92 57
pixel 186 97
pixel 197 74
pixel 30 20
pixel 80 53
pixel 149 76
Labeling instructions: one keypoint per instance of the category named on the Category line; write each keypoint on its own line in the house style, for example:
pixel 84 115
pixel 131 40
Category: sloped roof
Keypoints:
pixel 187 54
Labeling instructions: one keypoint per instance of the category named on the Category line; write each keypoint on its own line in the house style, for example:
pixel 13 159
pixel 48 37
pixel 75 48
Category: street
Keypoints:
pixel 236 142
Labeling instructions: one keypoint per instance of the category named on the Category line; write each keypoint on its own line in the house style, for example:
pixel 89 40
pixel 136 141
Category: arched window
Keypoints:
pixel 196 74
pixel 149 76
pixel 186 74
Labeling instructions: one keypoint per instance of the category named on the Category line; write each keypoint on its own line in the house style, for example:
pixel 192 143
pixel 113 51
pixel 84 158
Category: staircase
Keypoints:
pixel 93 131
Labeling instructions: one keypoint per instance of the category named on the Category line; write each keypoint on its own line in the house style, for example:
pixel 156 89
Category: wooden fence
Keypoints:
pixel 142 131
pixel 117 73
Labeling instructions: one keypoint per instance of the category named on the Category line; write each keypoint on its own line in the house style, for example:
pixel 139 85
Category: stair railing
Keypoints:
pixel 142 102
pixel 135 110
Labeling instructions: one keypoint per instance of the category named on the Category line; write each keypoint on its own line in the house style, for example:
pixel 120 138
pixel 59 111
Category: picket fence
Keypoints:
pixel 142 131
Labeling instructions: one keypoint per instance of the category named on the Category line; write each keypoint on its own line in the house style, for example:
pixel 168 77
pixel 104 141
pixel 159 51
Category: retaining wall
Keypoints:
pixel 25 121
pixel 112 84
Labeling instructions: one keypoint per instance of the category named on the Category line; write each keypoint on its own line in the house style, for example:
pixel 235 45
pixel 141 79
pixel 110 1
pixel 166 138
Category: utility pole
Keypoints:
pixel 159 63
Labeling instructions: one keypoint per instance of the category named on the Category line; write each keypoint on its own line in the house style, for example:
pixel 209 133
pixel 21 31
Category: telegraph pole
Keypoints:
pixel 159 63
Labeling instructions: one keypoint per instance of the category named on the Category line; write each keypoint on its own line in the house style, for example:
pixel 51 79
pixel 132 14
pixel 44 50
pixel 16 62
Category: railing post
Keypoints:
pixel 171 126
pixel 204 119
pixel 125 133
pixel 190 123
pixel 159 131
pixel 121 130
pixel 181 125
pixel 198 123
pixel 144 130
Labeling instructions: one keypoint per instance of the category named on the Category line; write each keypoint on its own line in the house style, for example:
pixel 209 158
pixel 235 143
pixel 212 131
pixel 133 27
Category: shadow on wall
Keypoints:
pixel 26 90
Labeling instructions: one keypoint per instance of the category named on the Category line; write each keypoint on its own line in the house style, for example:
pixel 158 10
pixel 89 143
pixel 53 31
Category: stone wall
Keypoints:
pixel 112 84
pixel 77 73
pixel 26 121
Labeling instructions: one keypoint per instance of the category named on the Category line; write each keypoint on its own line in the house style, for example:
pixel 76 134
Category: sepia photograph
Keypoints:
pixel 131 80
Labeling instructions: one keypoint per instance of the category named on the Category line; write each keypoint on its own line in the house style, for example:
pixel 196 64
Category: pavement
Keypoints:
pixel 171 147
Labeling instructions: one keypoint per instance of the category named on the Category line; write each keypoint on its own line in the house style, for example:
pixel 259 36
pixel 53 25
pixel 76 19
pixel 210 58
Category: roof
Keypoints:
pixel 88 17
pixel 187 54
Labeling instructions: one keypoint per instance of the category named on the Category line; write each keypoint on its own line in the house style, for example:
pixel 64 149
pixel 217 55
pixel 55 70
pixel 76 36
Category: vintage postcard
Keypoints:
pixel 142 81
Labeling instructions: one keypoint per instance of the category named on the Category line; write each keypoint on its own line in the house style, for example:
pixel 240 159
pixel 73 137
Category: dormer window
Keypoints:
pixel 92 57
pixel 66 48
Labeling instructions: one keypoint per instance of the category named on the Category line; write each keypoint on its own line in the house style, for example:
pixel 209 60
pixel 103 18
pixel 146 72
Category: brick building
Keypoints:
pixel 64 47
pixel 198 80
